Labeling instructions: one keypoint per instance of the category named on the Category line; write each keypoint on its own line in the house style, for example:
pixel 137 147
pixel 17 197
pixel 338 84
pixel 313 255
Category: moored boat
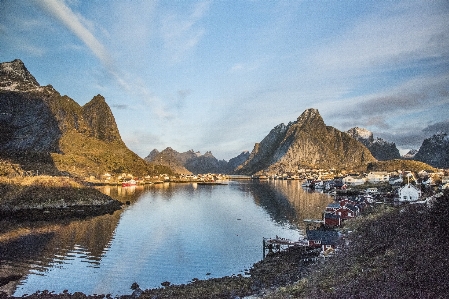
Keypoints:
pixel 129 183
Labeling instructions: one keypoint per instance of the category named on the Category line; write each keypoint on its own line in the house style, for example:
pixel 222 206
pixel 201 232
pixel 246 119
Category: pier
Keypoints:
pixel 273 245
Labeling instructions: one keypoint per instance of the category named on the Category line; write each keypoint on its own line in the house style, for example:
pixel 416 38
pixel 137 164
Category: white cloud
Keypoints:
pixel 181 34
pixel 393 37
pixel 73 22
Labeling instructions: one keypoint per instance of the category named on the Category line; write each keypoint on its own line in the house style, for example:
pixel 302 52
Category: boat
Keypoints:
pixel 129 183
pixel 306 183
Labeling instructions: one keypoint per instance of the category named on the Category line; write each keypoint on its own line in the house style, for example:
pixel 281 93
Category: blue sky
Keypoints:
pixel 219 75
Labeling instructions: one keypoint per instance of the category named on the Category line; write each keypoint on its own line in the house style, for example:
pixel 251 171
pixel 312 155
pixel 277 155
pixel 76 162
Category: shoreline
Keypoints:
pixel 276 270
pixel 52 199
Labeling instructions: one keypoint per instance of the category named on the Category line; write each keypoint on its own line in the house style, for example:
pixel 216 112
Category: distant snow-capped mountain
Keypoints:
pixel 379 148
pixel 410 154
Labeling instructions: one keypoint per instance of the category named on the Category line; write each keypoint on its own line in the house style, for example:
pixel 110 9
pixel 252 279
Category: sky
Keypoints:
pixel 219 75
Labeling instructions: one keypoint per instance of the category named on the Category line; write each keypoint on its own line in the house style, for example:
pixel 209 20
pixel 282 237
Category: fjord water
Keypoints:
pixel 168 232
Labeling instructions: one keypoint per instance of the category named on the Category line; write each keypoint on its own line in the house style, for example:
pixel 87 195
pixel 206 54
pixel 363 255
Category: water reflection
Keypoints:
pixel 171 232
pixel 37 247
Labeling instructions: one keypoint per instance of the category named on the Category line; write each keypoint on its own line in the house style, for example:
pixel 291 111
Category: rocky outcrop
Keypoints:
pixel 381 150
pixel 307 142
pixel 435 151
pixel 100 120
pixel 15 76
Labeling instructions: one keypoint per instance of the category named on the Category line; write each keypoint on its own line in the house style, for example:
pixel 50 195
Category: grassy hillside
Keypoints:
pixel 89 156
pixel 393 165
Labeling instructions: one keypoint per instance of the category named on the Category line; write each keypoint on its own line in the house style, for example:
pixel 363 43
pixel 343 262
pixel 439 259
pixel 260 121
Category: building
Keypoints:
pixel 409 193
pixel 376 177
pixel 322 238
pixel 354 180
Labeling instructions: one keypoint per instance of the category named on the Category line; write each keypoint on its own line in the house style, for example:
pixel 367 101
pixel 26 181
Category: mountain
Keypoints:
pixel 237 161
pixel 435 151
pixel 410 154
pixel 45 131
pixel 381 150
pixel 307 142
pixel 188 162
pixel 170 158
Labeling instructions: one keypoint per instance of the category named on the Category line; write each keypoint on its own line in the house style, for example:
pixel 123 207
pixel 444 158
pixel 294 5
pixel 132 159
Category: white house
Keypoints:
pixel 409 193
pixel 378 177
pixel 353 180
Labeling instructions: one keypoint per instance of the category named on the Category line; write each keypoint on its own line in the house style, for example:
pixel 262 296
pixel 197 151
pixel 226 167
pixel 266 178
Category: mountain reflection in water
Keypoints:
pixel 168 232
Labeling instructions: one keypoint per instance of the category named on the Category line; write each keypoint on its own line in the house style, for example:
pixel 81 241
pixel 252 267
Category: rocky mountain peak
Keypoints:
pixel 310 117
pixel 435 151
pixel 308 142
pixel 410 154
pixel 15 76
pixel 100 120
pixel 360 133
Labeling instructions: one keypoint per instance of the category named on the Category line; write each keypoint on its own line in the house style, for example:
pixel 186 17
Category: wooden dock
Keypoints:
pixel 273 245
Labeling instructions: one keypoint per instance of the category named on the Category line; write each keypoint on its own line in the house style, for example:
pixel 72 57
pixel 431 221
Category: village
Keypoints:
pixel 355 194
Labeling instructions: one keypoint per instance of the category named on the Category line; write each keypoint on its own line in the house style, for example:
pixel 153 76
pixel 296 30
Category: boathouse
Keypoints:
pixel 322 238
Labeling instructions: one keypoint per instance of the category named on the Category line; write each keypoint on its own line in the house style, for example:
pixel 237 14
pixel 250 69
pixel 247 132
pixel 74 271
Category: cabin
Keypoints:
pixel 376 177
pixel 332 207
pixel 322 238
pixel 331 219
pixel 409 193
pixel 346 213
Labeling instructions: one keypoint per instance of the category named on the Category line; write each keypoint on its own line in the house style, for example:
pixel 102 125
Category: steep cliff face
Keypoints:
pixel 435 151
pixel 100 120
pixel 307 142
pixel 235 162
pixel 37 119
pixel 381 150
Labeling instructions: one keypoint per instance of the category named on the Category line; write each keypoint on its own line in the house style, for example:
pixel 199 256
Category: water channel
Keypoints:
pixel 168 232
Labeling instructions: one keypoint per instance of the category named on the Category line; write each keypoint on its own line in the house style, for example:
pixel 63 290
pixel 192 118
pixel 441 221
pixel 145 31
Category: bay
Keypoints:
pixel 168 232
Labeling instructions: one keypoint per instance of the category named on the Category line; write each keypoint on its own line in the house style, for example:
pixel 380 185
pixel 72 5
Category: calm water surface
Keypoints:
pixel 169 232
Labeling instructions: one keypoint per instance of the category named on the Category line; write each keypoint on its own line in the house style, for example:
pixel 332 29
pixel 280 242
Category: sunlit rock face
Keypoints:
pixel 307 142
pixel 38 119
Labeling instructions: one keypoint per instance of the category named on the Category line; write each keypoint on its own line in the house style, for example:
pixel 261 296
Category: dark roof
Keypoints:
pixel 331 216
pixel 333 205
pixel 327 237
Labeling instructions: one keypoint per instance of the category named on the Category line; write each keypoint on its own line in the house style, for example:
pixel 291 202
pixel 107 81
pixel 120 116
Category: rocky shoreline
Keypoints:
pixel 33 203
pixel 276 270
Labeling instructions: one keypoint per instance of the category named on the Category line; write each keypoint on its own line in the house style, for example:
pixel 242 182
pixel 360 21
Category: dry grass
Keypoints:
pixel 41 181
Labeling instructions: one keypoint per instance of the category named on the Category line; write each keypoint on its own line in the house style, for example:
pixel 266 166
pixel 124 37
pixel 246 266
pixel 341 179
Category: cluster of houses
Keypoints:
pixel 339 211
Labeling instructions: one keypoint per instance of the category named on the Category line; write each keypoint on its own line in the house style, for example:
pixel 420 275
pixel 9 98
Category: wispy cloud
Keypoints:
pixel 83 29
pixel 398 35
pixel 63 13
pixel 412 96
pixel 180 33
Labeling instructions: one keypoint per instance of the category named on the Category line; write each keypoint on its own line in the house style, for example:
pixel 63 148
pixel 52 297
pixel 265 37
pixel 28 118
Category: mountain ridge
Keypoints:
pixel 307 142
pixel 37 121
